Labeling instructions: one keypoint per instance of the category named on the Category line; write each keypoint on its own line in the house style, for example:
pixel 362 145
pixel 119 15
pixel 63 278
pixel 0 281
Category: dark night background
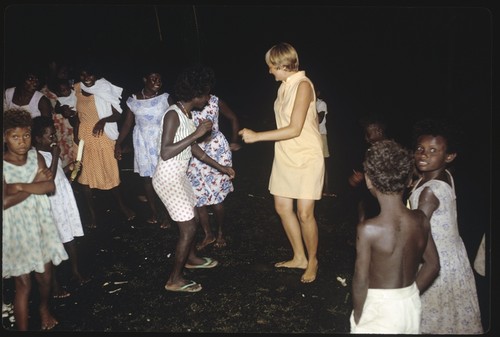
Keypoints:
pixel 404 63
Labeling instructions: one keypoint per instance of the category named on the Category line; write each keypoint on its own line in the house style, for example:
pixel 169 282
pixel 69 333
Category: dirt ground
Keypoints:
pixel 129 262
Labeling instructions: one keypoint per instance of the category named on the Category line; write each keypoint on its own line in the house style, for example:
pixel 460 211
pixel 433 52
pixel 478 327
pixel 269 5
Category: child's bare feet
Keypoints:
pixel 79 280
pixel 205 243
pixel 48 321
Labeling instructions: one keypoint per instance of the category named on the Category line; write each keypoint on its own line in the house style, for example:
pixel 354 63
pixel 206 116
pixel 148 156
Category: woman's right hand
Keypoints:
pixel 247 135
pixel 204 127
pixel 118 152
pixel 356 178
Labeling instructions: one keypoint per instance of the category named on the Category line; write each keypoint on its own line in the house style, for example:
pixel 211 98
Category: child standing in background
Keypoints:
pixel 63 203
pixel 65 120
pixel 367 205
pixel 450 305
pixel 30 241
pixel 321 109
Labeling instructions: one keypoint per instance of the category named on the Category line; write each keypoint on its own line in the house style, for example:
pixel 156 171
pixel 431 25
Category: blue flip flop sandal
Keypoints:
pixel 209 263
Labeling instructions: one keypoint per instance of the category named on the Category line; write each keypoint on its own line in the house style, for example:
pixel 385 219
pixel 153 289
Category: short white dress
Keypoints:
pixel 63 204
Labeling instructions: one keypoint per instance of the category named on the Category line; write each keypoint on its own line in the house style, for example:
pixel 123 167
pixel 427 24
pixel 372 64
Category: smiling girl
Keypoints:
pixel 450 305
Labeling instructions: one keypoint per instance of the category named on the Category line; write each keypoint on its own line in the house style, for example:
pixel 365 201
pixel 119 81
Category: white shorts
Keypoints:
pixel 390 311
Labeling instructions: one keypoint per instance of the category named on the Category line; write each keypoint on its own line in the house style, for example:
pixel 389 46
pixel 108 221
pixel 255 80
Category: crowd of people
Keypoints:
pixel 411 274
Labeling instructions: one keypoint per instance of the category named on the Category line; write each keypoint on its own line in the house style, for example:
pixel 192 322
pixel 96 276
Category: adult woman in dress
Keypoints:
pixel 98 108
pixel 26 95
pixel 146 109
pixel 211 187
pixel 298 166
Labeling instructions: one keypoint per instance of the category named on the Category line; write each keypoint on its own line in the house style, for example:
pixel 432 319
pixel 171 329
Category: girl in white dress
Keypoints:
pixel 63 203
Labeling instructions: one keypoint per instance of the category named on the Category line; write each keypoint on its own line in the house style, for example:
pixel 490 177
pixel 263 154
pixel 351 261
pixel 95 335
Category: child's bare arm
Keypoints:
pixel 430 268
pixel 15 193
pixel 428 202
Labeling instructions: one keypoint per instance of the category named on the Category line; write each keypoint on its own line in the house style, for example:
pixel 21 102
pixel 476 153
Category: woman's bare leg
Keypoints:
pixel 220 215
pixel 184 252
pixel 290 222
pixel 309 227
pixel 205 225
pixel 87 192
pixel 127 212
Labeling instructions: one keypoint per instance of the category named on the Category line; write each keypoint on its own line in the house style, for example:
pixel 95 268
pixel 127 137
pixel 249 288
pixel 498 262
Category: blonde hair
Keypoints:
pixel 283 56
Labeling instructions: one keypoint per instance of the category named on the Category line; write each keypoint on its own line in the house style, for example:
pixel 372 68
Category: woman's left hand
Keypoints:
pixel 98 128
pixel 229 171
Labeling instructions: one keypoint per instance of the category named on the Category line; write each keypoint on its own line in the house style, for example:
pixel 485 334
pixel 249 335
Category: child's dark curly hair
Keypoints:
pixel 40 123
pixel 438 127
pixel 194 82
pixel 389 166
pixel 16 118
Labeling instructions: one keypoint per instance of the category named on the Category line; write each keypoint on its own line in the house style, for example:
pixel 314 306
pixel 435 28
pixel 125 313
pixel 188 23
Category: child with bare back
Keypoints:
pixel 390 247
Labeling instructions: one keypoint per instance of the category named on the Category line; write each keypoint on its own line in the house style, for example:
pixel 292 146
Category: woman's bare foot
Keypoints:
pixel 310 273
pixel 165 224
pixel 300 264
pixel 129 214
pixel 61 293
pixel 205 243
pixel 48 321
pixel 220 242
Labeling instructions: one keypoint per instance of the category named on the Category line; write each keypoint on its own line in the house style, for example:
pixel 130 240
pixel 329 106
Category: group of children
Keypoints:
pixel 412 273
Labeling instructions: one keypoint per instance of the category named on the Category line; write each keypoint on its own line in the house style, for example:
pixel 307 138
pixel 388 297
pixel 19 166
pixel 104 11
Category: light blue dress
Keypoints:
pixel 30 238
pixel 148 124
